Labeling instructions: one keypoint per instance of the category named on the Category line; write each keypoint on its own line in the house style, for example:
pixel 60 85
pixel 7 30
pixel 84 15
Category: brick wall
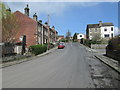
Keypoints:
pixel 28 27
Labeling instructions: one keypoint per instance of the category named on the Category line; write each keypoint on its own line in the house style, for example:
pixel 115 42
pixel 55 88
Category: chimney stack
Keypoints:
pixel 27 10
pixel 53 27
pixel 35 17
pixel 40 21
pixel 46 23
pixel 100 23
pixel 8 10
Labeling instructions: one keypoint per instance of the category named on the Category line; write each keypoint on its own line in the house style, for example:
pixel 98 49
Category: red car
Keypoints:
pixel 61 45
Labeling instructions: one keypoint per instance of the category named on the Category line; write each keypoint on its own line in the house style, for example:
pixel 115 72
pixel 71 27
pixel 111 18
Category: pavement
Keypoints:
pixel 100 54
pixel 3 65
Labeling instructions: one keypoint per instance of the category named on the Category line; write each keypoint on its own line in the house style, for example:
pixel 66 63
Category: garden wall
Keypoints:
pixel 98 46
pixel 115 54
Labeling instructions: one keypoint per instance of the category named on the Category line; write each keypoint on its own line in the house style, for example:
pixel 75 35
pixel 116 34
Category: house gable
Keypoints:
pixel 28 27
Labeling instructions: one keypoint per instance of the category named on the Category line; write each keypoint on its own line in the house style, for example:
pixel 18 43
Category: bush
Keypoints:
pixel 74 40
pixel 45 44
pixel 62 40
pixel 87 43
pixel 38 49
pixel 51 45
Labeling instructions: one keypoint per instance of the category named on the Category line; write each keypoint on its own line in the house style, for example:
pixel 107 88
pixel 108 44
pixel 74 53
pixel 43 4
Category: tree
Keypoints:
pixel 9 24
pixel 96 37
pixel 68 35
pixel 75 37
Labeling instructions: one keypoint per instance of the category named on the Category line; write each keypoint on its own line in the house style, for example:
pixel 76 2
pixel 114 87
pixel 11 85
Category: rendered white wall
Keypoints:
pixel 107 32
pixel 78 36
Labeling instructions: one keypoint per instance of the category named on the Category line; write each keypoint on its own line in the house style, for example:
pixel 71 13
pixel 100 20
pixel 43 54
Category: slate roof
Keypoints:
pixel 97 25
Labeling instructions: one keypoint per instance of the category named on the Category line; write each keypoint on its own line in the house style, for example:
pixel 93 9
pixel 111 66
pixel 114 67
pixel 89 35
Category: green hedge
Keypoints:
pixel 87 43
pixel 38 49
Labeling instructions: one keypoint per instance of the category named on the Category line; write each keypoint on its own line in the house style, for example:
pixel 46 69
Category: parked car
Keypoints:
pixel 61 45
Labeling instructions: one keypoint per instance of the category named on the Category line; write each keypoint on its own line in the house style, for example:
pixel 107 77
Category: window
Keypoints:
pixel 112 35
pixel 106 35
pixel 111 28
pixel 90 30
pixel 95 29
pixel 105 29
pixel 90 37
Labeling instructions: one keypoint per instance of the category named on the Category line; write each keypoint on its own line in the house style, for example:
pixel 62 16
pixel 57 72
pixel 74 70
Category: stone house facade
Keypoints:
pixel 104 30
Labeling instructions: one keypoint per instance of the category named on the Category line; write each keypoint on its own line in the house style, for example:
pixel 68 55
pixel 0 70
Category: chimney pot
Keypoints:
pixel 100 23
pixel 40 21
pixel 27 10
pixel 46 23
pixel 8 10
pixel 53 27
pixel 35 17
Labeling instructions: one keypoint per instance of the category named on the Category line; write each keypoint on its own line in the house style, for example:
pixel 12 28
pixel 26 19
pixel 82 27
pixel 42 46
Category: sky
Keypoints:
pixel 72 16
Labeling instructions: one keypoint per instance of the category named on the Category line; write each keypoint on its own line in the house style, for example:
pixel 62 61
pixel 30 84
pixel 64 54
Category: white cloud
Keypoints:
pixel 46 7
pixel 117 31
pixel 39 7
pixel 49 6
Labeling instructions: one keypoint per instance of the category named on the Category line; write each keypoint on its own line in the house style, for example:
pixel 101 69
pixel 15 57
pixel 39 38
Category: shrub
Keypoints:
pixel 38 49
pixel 45 43
pixel 51 45
pixel 62 40
pixel 87 42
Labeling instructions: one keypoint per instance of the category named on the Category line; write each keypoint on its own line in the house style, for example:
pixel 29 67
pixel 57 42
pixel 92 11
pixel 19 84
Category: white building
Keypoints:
pixel 105 30
pixel 80 36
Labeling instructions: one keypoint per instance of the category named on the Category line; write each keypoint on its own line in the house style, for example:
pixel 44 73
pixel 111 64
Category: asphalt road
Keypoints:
pixel 63 68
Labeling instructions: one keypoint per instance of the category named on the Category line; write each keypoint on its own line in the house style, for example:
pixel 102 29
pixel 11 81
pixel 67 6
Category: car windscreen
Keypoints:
pixel 61 43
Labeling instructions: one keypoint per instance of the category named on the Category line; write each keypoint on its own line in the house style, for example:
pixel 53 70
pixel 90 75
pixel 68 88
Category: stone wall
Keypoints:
pixel 18 49
pixel 98 46
pixel 7 50
pixel 115 54
pixel 113 48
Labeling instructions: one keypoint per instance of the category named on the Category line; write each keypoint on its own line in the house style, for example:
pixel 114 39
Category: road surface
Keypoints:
pixel 63 68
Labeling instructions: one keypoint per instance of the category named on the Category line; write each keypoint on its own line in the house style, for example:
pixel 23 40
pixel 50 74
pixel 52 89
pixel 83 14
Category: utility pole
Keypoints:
pixel 48 31
pixel 48 19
